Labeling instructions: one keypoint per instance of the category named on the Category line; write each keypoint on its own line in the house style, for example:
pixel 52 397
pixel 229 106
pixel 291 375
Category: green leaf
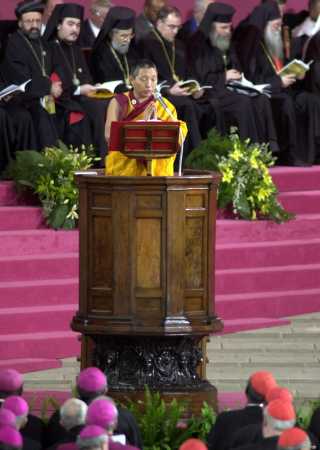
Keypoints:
pixel 58 216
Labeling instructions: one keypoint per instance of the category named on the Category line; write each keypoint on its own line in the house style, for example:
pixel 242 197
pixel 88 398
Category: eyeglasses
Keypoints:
pixel 125 37
pixel 31 21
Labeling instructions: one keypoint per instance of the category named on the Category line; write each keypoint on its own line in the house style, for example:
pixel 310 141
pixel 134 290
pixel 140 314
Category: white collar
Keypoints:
pixel 94 28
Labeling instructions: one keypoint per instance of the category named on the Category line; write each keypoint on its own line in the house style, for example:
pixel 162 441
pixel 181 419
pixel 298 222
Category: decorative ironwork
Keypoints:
pixel 168 363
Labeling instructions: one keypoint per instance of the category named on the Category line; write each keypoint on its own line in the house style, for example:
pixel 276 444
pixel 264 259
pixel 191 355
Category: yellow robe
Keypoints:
pixel 117 164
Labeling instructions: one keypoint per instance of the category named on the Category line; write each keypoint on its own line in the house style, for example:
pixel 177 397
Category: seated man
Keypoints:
pixel 92 26
pixel 140 104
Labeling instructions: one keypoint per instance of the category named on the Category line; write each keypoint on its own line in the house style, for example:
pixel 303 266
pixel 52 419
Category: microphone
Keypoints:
pixel 157 96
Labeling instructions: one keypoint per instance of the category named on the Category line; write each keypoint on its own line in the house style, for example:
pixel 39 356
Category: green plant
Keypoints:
pixel 50 174
pixel 246 185
pixel 304 412
pixel 162 425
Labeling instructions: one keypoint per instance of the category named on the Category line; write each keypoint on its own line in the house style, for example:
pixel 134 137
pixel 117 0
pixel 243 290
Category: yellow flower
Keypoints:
pixel 253 215
pixel 236 154
pixel 263 193
pixel 227 175
pixel 254 162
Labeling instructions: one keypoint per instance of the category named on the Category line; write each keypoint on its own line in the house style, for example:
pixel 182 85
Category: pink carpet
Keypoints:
pixel 264 272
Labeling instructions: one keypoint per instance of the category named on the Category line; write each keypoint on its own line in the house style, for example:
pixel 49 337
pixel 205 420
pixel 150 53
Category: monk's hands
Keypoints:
pixel 288 80
pixel 56 89
pixel 233 74
pixel 150 112
pixel 177 90
pixel 87 89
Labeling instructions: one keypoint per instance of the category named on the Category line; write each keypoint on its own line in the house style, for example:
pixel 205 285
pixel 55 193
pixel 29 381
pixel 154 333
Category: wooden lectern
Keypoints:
pixel 146 272
pixel 147 282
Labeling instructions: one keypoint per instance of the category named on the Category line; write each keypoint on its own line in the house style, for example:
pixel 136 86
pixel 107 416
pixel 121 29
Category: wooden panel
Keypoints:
pixel 149 201
pixel 148 252
pixel 101 303
pixel 148 306
pixel 195 201
pixel 101 200
pixel 194 304
pixel 194 252
pixel 101 254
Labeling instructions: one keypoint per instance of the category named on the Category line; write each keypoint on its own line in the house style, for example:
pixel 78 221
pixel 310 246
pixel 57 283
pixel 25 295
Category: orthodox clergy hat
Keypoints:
pixel 7 417
pixel 119 17
pixel 102 412
pixel 27 6
pixel 216 12
pixel 193 444
pixel 92 380
pixel 91 435
pixel 263 13
pixel 279 392
pixel 59 13
pixel 17 405
pixel 10 436
pixel 293 439
pixel 10 380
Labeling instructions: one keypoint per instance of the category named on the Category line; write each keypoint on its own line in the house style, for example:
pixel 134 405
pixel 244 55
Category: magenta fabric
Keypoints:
pixel 243 7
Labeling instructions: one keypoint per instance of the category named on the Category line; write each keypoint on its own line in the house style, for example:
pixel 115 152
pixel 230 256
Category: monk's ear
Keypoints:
pixel 19 23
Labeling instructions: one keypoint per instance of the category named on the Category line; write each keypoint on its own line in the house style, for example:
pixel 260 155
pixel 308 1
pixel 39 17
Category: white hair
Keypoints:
pixel 73 413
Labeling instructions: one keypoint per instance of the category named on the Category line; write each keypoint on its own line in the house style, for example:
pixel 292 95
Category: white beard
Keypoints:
pixel 120 48
pixel 273 41
pixel 222 43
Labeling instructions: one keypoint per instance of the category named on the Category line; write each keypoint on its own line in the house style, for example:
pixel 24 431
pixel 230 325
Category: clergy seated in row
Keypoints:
pixel 140 104
pixel 170 57
pixel 113 53
pixel 260 49
pixel 213 61
pixel 303 32
pixel 88 114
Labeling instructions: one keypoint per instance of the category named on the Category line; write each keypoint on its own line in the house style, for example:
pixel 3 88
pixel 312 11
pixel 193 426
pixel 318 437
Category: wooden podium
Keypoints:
pixel 146 282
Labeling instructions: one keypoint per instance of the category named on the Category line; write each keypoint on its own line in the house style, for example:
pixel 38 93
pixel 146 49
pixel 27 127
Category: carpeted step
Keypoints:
pixel 36 319
pixel 296 178
pixel 21 218
pixel 272 304
pixel 305 226
pixel 25 365
pixel 39 292
pixel 301 202
pixel 8 194
pixel 256 323
pixel 39 267
pixel 50 345
pixel 35 242
pixel 277 278
pixel 268 253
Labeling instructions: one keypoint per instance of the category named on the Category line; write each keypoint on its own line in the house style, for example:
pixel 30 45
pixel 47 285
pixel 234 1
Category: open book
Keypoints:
pixel 296 67
pixel 13 89
pixel 244 86
pixel 192 86
pixel 106 90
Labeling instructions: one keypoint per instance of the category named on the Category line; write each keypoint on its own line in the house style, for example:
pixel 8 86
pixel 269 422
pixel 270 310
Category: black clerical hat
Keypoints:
pixel 216 12
pixel 119 17
pixel 59 13
pixel 29 6
pixel 263 13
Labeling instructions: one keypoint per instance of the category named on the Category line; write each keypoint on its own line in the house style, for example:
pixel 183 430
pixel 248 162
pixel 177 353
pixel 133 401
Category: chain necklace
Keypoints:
pixel 41 62
pixel 269 58
pixel 124 68
pixel 72 67
pixel 171 62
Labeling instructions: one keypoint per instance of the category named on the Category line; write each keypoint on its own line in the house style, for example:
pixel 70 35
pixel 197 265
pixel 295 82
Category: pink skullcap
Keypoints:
pixel 17 405
pixel 294 437
pixel 281 410
pixel 92 379
pixel 279 393
pixel 10 436
pixel 10 380
pixel 193 444
pixel 102 412
pixel 92 432
pixel 7 417
pixel 262 382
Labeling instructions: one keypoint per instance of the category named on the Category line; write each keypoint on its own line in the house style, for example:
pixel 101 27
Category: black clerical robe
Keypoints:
pixel 199 115
pixel 71 67
pixel 291 106
pixel 252 115
pixel 229 422
pixel 108 65
pixel 31 59
pixel 87 37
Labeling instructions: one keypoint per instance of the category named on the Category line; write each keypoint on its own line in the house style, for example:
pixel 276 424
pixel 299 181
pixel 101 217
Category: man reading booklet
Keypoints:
pixel 140 104
pixel 296 67
pixel 13 89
